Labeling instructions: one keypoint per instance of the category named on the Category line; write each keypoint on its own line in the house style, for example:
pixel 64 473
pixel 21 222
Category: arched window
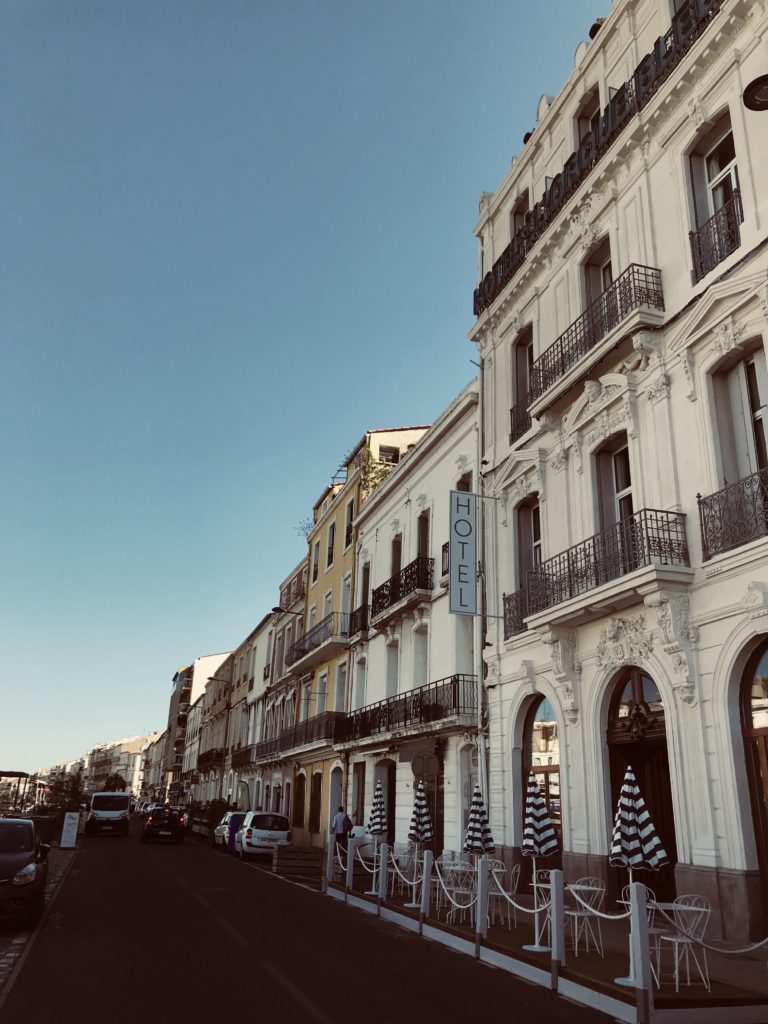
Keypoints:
pixel 754 705
pixel 542 757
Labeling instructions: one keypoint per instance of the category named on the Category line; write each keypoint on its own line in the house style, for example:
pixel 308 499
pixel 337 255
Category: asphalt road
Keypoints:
pixel 163 933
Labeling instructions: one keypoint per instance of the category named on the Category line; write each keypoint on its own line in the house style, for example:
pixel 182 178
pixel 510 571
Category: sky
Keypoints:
pixel 235 235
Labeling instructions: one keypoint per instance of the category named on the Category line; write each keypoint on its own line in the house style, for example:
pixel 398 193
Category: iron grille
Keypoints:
pixel 734 516
pixel 650 536
pixel 454 695
pixel 718 238
pixel 515 611
pixel 418 575
pixel 637 286
pixel 359 619
pixel 519 419
pixel 445 563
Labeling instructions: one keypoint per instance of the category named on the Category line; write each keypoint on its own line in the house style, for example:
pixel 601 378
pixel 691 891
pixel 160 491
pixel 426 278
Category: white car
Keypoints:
pixel 261 832
pixel 222 834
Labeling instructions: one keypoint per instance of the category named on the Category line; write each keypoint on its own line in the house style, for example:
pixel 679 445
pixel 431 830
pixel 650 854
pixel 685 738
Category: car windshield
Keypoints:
pixel 271 822
pixel 109 802
pixel 16 837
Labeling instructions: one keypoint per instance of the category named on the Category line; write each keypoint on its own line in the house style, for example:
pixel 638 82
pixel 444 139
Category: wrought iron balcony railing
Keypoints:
pixel 637 286
pixel 734 516
pixel 515 611
pixel 266 747
pixel 244 756
pixel 519 419
pixel 335 624
pixel 648 537
pixel 418 575
pixel 312 730
pixel 359 619
pixel 455 695
pixel 210 757
pixel 717 238
pixel 445 564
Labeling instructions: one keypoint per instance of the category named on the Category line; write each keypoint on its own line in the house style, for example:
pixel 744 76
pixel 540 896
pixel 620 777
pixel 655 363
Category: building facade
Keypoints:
pixel 622 313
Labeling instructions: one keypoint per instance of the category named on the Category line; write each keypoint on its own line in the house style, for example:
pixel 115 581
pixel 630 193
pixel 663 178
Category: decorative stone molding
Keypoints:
pixel 606 424
pixel 421 500
pixel 391 635
pixel 566 669
pixel 755 603
pixel 575 448
pixel 695 112
pixel 764 300
pixel 420 618
pixel 648 346
pixel 623 640
pixel 677 635
pixel 658 388
pixel 484 204
pixel 559 460
pixel 461 463
pixel 728 336
pixel 394 526
pixel 686 361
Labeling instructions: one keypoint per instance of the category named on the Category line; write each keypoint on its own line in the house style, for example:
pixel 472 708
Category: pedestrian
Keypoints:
pixel 341 826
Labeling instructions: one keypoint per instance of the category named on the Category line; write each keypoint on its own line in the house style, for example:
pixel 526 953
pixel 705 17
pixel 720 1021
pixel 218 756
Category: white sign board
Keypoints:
pixel 462 554
pixel 69 832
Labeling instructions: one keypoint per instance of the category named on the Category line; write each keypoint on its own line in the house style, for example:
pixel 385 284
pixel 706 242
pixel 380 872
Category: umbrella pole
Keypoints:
pixel 537 946
pixel 629 981
pixel 414 902
pixel 373 891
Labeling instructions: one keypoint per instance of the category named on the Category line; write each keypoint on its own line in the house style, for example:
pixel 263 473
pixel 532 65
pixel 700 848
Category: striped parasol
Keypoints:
pixel 539 838
pixel 478 838
pixel 377 823
pixel 421 820
pixel 635 843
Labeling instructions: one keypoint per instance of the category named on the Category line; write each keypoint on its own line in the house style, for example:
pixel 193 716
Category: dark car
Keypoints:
pixel 164 824
pixel 23 869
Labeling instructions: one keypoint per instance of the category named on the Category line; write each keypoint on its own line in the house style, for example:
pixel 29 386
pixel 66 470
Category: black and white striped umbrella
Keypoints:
pixel 421 820
pixel 635 843
pixel 377 822
pixel 539 837
pixel 478 838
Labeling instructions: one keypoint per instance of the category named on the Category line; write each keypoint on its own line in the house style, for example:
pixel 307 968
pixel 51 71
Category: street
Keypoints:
pixel 166 932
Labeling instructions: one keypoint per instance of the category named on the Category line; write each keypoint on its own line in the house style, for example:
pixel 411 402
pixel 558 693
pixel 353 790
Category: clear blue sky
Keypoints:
pixel 235 235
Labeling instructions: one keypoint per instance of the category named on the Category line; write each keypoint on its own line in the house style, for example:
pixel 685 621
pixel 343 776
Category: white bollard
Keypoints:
pixel 383 873
pixel 351 851
pixel 557 924
pixel 641 953
pixel 329 865
pixel 426 888
pixel 481 907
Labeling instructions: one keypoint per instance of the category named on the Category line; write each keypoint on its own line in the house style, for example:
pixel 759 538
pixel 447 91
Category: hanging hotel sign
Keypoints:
pixel 462 554
pixel 668 50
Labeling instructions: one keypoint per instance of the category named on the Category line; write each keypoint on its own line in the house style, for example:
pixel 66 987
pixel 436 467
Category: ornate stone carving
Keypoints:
pixel 686 361
pixel 559 460
pixel 606 424
pixel 677 635
pixel 695 112
pixel 755 603
pixel 622 641
pixel 647 345
pixel 658 388
pixel 566 669
pixel 484 204
pixel 575 448
pixel 728 336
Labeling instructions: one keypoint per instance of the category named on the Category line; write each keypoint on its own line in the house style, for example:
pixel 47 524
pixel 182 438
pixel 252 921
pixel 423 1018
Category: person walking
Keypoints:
pixel 341 826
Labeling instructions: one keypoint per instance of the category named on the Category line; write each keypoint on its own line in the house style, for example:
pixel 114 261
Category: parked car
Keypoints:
pixel 108 812
pixel 261 832
pixel 164 824
pixel 224 833
pixel 23 869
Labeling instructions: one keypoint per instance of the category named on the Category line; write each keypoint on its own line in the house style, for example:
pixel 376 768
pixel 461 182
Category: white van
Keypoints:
pixel 108 812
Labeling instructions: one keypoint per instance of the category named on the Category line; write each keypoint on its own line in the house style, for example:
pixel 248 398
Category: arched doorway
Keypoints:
pixel 637 736
pixel 541 755
pixel 426 768
pixel 754 718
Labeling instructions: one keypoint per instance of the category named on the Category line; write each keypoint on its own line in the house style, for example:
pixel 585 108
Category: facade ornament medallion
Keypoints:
pixel 622 641
pixel 728 336
pixel 755 603
pixel 695 112
pixel 566 669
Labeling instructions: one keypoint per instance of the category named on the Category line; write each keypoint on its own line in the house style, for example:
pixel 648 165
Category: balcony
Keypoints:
pixel 244 756
pixel 183 711
pixel 734 516
pixel 417 711
pixel 320 728
pixel 412 584
pixel 643 553
pixel 209 758
pixel 717 238
pixel 323 641
pixel 634 300
pixel 359 620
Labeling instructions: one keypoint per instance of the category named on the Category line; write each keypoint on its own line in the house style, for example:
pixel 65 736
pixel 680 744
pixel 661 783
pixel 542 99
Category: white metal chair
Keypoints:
pixel 584 923
pixel 655 928
pixel 403 854
pixel 498 892
pixel 691 916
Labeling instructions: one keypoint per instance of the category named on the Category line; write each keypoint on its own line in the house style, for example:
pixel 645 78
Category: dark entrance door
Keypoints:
pixel 391 789
pixel 428 769
pixel 755 725
pixel 637 736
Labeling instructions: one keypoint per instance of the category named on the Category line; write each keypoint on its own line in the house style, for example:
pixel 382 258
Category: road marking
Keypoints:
pixel 231 930
pixel 296 994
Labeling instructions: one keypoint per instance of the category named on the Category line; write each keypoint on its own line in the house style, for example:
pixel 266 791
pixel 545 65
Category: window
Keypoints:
pixel 528 539
pixel 716 199
pixel 598 272
pixel 315 560
pixel 542 757
pixel 397 554
pixel 423 535
pixel 741 401
pixel 588 116
pixel 360 684
pixel 341 688
pixel 517 216
pixel 465 483
pixel 322 692
pixel 349 515
pixel 389 454
pixel 330 546
pixel 522 366
pixel 358 792
pixel 306 697
pixel 327 604
pixel 618 551
pixel 393 651
pixel 299 800
pixel 420 657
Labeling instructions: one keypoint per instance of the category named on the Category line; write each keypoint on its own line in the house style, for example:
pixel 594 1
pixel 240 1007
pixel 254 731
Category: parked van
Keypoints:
pixel 108 812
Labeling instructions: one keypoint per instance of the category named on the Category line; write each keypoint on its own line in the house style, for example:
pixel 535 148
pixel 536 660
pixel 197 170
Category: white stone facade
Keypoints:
pixel 623 348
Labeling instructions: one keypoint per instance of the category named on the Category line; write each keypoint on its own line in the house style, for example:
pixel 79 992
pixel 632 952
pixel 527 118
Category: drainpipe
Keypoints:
pixel 482 747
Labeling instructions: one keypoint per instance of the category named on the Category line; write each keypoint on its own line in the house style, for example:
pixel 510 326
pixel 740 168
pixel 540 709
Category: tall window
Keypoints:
pixel 588 115
pixel 542 757
pixel 314 802
pixel 615 482
pixel 420 657
pixel 359 684
pixel 528 539
pixel 331 543
pixel 716 198
pixel 322 693
pixel 598 272
pixel 391 669
pixel 315 561
pixel 299 801
pixel 522 368
pixel 741 401
pixel 423 535
pixel 517 216
pixel 358 792
pixel 349 515
pixel 341 687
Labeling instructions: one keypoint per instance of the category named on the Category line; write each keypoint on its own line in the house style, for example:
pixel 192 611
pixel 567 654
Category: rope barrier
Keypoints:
pixel 371 870
pixel 342 863
pixel 459 906
pixel 415 881
pixel 526 910
pixel 700 942
pixel 595 911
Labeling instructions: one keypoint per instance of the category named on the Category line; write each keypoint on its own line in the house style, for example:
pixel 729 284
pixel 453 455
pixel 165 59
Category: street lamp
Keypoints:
pixel 286 611
pixel 755 95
